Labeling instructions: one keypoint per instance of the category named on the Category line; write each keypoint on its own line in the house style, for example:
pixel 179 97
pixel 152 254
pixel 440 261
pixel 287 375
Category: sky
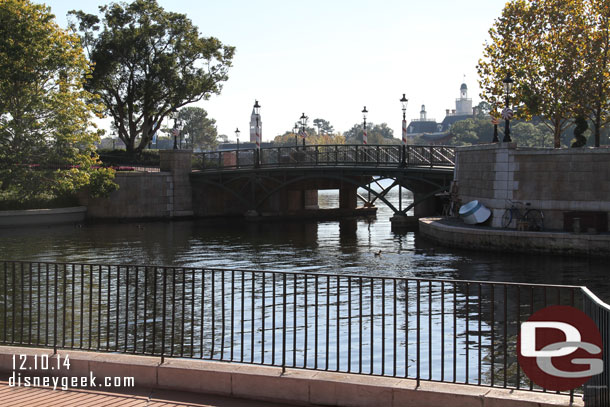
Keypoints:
pixel 330 58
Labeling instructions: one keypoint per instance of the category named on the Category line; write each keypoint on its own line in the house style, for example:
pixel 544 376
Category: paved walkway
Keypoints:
pixel 42 397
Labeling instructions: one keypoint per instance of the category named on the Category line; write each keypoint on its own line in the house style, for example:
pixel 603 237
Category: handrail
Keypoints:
pixel 327 155
pixel 424 329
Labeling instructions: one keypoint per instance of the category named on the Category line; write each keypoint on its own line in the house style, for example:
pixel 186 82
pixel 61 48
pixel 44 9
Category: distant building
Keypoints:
pixel 253 118
pixel 432 131
pixel 423 124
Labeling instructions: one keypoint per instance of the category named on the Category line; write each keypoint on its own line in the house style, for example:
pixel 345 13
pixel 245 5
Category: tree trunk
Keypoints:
pixel 557 134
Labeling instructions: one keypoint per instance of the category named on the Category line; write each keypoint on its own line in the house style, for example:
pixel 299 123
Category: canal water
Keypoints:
pixel 355 324
pixel 346 247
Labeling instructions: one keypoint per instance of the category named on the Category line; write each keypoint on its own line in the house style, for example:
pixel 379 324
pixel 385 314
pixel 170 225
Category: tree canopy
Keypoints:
pixel 148 62
pixel 46 134
pixel 201 129
pixel 375 134
pixel 542 43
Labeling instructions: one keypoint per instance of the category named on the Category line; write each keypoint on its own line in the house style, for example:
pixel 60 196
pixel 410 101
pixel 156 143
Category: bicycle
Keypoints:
pixel 534 218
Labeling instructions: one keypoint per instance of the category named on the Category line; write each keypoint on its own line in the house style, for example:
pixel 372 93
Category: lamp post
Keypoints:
pixel 404 101
pixel 507 113
pixel 176 129
pixel 303 124
pixel 295 130
pixel 364 114
pixel 257 109
pixel 237 137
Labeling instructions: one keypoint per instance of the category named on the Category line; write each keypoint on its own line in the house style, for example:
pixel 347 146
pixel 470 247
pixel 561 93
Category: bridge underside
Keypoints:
pixel 285 191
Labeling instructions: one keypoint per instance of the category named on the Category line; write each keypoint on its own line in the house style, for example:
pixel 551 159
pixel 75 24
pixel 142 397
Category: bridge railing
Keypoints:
pixel 424 329
pixel 327 155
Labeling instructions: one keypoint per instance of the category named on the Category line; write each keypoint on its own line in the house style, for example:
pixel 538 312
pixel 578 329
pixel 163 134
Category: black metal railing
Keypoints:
pixel 328 155
pixel 424 329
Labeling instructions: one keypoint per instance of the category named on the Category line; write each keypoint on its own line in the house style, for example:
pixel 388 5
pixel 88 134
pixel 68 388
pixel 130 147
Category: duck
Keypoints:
pixel 377 254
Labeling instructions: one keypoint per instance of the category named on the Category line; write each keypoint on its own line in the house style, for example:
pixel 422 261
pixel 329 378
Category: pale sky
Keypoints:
pixel 329 59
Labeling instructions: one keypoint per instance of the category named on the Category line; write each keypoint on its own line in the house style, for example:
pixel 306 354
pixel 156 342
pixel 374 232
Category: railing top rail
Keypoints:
pixel 309 273
pixel 313 146
pixel 595 298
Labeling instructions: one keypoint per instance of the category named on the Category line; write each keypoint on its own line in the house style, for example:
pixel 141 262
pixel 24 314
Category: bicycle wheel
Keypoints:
pixel 507 218
pixel 535 219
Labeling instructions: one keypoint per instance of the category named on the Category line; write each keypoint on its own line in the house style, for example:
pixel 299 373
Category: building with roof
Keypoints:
pixel 429 128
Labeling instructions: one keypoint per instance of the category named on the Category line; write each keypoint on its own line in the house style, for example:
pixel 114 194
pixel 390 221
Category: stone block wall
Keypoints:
pixel 164 194
pixel 140 195
pixel 552 180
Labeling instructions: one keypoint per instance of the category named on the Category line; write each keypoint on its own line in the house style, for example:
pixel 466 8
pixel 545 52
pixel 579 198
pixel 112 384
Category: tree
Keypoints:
pixel 148 63
pixel 375 134
pixel 596 80
pixel 323 126
pixel 471 131
pixel 288 138
pixel 528 134
pixel 46 134
pixel 540 42
pixel 201 130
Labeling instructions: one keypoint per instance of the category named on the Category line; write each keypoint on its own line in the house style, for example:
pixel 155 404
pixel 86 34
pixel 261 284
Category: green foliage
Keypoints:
pixel 580 127
pixel 323 126
pixel 201 129
pixel 122 157
pixel 541 43
pixel 288 138
pixel 46 138
pixel 148 63
pixel 375 134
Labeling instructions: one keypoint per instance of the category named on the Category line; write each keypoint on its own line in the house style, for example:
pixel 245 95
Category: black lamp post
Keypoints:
pixel 237 137
pixel 507 114
pixel 257 109
pixel 364 114
pixel 404 101
pixel 176 129
pixel 303 124
pixel 295 130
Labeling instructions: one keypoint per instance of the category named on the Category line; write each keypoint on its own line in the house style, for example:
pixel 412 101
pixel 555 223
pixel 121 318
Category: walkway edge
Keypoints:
pixel 265 383
pixel 510 240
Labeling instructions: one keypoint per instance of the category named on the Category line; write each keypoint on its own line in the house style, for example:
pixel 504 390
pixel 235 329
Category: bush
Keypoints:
pixel 122 157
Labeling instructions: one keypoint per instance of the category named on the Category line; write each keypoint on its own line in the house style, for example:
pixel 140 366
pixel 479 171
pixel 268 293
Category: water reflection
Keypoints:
pixel 347 247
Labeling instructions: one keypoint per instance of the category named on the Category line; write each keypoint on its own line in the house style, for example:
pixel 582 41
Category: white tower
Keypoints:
pixel 463 105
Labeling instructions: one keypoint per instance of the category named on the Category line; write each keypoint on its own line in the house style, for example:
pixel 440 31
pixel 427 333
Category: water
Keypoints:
pixel 346 247
pixel 467 320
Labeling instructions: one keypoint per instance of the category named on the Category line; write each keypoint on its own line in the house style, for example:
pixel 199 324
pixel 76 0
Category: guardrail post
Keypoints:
pixel 164 312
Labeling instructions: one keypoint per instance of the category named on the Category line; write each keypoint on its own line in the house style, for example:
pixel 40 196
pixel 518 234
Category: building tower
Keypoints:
pixel 253 126
pixel 463 105
pixel 422 114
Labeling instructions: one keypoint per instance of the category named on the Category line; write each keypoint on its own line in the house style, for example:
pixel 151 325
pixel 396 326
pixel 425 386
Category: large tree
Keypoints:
pixel 201 129
pixel 596 81
pixel 148 62
pixel 541 43
pixel 375 134
pixel 46 135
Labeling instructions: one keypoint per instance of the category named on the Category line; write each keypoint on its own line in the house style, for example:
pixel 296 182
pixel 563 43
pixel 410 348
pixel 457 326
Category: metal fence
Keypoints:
pixel 424 329
pixel 327 155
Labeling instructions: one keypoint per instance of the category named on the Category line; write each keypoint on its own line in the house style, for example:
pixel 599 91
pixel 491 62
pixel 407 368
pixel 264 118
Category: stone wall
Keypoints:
pixel 164 194
pixel 140 195
pixel 552 180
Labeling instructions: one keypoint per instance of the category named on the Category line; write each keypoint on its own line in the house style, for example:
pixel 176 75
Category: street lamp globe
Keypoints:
pixel 364 113
pixel 404 101
pixel 257 108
